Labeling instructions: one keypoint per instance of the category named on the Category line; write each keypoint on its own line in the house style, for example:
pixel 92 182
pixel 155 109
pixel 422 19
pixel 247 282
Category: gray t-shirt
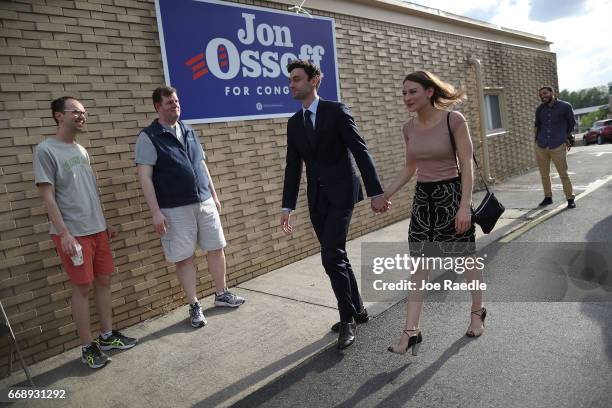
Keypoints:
pixel 66 166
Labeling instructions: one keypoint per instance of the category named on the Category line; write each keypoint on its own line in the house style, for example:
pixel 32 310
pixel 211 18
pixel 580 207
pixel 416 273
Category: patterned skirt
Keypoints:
pixel 432 223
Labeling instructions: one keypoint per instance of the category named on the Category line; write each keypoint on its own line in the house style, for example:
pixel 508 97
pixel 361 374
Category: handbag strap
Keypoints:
pixel 452 140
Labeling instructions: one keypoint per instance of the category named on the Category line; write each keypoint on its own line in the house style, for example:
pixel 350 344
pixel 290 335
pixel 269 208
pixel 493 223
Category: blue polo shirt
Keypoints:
pixel 554 123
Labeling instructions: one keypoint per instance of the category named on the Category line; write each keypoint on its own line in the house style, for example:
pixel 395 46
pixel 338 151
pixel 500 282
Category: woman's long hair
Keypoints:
pixel 445 95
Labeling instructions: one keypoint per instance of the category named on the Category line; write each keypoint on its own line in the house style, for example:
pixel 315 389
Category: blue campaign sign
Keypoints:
pixel 228 61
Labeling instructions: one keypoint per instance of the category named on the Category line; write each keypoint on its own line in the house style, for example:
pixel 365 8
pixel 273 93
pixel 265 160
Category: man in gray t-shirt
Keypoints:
pixel 66 166
pixel 67 185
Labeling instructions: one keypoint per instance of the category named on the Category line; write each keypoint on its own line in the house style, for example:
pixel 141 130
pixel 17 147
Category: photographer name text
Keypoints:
pixel 445 285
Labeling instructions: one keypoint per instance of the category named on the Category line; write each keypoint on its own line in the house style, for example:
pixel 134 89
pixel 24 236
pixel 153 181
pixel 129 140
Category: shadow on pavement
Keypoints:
pixel 181 326
pixel 405 392
pixel 600 232
pixel 331 358
pixel 372 386
pixel 72 368
pixel 600 312
pixel 216 310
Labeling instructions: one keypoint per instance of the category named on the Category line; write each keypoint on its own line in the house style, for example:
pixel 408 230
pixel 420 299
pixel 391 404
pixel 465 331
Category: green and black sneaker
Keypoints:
pixel 93 356
pixel 116 341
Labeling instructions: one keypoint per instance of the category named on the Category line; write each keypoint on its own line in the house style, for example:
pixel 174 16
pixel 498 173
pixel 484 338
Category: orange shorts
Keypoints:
pixel 97 258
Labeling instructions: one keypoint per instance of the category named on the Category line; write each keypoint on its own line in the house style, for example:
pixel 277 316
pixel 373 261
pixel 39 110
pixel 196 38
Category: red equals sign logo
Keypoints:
pixel 198 64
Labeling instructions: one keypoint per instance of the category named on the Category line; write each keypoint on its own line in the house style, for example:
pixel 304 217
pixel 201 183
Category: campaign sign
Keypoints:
pixel 229 61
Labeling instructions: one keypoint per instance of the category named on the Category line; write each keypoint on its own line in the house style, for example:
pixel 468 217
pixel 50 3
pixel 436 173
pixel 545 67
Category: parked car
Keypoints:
pixel 599 133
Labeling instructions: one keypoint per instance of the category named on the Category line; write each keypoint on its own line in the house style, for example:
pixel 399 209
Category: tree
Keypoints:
pixel 587 120
pixel 585 98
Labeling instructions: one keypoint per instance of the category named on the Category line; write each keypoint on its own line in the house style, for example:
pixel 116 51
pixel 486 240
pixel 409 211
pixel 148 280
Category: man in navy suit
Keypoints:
pixel 323 134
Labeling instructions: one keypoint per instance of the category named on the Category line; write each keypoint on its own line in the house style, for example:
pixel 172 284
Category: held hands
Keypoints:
pixel 159 223
pixel 380 204
pixel 286 222
pixel 463 220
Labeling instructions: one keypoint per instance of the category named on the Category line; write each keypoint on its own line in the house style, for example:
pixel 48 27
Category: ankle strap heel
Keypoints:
pixel 482 313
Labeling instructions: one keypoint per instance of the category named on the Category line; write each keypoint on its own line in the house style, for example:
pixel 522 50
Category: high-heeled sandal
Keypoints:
pixel 482 313
pixel 414 341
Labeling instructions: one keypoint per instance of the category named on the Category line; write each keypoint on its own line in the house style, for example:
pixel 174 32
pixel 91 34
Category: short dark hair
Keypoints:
pixel 59 105
pixel 311 69
pixel 160 92
pixel 548 88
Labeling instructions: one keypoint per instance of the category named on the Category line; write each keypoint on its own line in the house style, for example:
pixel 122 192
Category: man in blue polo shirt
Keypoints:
pixel 182 199
pixel 554 123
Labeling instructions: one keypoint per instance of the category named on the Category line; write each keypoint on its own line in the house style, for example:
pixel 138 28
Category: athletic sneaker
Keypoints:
pixel 196 316
pixel 228 299
pixel 93 356
pixel 116 341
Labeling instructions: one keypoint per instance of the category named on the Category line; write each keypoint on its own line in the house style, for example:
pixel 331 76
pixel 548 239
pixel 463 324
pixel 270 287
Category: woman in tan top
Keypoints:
pixel 441 219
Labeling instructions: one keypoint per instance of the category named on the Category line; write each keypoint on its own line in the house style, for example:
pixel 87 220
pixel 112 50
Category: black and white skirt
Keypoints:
pixel 432 223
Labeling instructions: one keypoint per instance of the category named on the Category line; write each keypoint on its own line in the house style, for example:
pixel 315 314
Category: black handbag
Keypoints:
pixel 490 209
pixel 488 212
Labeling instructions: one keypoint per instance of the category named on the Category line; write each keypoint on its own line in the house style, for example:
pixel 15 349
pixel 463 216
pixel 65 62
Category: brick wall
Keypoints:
pixel 106 53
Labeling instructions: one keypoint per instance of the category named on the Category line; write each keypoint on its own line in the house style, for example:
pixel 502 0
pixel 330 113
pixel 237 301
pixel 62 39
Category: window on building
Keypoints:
pixel 493 108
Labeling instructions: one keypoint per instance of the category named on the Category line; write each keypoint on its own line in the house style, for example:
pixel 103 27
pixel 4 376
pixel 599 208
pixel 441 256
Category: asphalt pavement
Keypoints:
pixel 277 349
pixel 537 350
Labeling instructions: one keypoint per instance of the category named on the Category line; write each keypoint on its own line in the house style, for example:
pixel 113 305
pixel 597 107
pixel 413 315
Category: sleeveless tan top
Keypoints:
pixel 432 150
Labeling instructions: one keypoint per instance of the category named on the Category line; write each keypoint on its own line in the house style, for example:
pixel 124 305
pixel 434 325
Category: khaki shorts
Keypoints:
pixel 189 225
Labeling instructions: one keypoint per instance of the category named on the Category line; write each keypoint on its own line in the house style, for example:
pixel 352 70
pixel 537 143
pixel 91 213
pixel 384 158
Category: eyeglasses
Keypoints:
pixel 77 112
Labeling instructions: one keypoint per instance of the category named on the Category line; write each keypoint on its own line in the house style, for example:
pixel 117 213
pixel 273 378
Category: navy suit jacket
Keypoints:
pixel 330 162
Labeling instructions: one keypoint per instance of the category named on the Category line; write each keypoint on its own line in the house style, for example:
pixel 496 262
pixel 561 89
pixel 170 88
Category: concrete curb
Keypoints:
pixel 522 229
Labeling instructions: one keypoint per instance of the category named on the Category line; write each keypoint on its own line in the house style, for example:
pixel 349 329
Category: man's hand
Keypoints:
pixel 380 204
pixel 286 222
pixel 159 223
pixel 463 220
pixel 112 232
pixel 569 142
pixel 68 244
pixel 217 203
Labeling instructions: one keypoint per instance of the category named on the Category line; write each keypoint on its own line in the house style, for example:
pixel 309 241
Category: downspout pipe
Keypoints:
pixel 486 167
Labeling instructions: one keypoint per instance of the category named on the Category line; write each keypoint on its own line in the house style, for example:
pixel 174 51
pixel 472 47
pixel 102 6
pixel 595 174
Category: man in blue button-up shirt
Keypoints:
pixel 554 123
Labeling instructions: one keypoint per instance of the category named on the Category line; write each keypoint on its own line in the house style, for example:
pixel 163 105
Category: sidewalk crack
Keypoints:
pixel 287 297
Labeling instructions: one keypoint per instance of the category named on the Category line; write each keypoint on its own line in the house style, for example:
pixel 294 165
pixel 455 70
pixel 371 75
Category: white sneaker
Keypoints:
pixel 228 299
pixel 196 316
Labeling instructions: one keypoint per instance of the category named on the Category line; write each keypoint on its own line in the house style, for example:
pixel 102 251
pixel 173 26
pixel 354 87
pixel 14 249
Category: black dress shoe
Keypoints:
pixel 360 318
pixel 346 335
pixel 546 201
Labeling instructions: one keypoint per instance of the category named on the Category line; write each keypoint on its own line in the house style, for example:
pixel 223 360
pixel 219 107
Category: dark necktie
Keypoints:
pixel 310 133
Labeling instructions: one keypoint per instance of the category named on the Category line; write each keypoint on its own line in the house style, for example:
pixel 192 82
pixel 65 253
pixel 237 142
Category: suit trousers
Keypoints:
pixel 331 225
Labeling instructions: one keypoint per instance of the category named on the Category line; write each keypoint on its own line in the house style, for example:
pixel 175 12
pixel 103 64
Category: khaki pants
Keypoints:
pixel 558 156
